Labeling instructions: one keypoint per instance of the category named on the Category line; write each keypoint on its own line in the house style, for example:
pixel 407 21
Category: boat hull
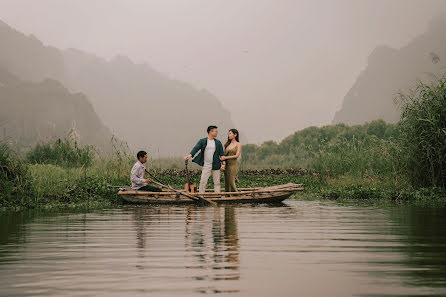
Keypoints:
pixel 152 200
pixel 275 194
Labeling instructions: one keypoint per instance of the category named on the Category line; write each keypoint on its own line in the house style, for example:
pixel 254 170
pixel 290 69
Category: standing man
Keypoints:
pixel 211 150
pixel 137 175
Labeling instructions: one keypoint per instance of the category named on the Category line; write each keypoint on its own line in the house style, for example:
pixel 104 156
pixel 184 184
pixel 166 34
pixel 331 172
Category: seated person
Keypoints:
pixel 137 175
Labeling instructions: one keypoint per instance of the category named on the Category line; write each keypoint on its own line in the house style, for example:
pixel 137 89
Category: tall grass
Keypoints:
pixel 62 152
pixel 15 183
pixel 423 134
pixel 366 157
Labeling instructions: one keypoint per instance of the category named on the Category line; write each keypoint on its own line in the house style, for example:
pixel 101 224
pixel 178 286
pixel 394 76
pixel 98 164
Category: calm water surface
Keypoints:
pixel 299 248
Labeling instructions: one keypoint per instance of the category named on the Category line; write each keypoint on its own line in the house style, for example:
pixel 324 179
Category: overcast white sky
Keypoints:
pixel 277 65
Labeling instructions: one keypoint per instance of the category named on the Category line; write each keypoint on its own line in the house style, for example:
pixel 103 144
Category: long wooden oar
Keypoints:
pixel 193 197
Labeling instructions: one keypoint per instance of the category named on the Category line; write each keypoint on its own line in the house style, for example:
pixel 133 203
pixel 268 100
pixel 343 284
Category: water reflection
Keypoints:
pixel 140 221
pixel 218 252
pixel 354 250
pixel 210 239
pixel 424 232
pixel 12 226
pixel 231 237
pixel 14 230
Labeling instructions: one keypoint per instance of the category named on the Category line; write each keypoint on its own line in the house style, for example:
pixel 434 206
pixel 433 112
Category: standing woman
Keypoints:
pixel 233 148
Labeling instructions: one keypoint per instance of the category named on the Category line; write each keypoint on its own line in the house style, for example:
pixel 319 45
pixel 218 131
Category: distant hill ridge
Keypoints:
pixel 37 112
pixel 139 104
pixel 390 71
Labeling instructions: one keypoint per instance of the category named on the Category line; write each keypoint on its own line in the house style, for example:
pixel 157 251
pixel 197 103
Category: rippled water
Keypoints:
pixel 300 248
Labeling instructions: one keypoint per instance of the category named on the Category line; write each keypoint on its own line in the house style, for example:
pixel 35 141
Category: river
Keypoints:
pixel 298 248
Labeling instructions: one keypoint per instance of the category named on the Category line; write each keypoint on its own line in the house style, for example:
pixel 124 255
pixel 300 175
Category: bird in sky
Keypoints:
pixel 434 57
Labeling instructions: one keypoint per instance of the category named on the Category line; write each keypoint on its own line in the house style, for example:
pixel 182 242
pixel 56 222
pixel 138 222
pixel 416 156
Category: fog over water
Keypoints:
pixel 277 66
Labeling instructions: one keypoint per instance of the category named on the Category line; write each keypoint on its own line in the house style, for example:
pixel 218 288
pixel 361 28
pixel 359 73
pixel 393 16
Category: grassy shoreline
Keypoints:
pixel 57 187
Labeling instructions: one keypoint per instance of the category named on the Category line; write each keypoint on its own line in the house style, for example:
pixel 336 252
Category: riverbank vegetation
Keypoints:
pixel 377 160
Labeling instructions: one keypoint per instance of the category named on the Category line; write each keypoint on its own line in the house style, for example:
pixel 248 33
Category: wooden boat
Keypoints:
pixel 272 194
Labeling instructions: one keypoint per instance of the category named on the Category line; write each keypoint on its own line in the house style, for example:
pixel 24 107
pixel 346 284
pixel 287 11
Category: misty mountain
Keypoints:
pixel 390 71
pixel 139 104
pixel 35 112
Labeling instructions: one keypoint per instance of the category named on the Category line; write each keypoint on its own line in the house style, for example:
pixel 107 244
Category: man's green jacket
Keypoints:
pixel 201 146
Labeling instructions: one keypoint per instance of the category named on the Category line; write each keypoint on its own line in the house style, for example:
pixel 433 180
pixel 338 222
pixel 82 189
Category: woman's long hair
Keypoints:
pixel 234 131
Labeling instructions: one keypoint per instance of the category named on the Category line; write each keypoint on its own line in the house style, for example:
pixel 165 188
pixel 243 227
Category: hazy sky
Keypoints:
pixel 277 65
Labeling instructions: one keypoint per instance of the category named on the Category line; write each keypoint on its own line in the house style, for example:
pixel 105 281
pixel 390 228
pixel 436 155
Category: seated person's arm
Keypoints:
pixel 148 180
pixel 137 180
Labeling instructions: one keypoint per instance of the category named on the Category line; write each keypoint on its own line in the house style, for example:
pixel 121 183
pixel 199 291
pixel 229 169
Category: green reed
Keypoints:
pixel 423 134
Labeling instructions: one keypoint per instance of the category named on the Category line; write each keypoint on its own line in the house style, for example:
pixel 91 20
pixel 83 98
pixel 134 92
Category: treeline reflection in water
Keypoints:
pixel 423 231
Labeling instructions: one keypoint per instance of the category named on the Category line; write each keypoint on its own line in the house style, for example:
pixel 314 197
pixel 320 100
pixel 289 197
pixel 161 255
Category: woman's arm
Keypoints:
pixel 237 154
